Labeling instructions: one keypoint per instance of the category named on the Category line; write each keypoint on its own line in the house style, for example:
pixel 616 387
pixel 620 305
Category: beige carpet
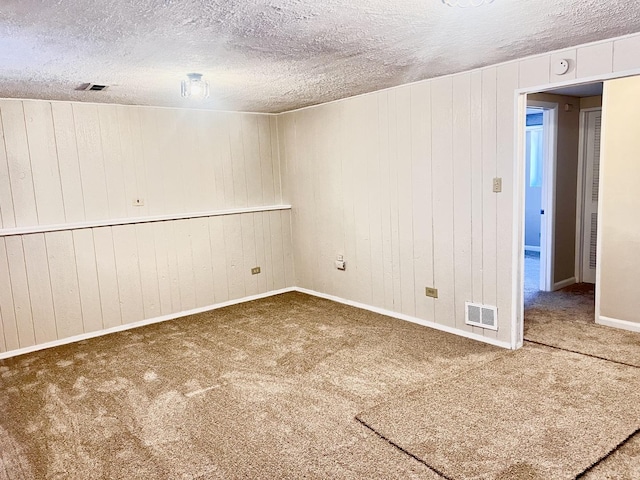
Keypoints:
pixel 623 464
pixel 537 413
pixel 268 389
pixel 565 319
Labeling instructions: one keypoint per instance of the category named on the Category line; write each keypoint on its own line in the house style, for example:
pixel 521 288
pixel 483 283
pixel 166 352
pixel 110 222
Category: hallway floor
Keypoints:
pixel 531 275
pixel 565 319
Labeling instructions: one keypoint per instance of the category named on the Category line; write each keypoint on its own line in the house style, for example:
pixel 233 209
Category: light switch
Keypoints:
pixel 497 185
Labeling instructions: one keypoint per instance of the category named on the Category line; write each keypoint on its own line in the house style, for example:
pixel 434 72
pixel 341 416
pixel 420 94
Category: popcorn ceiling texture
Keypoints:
pixel 275 55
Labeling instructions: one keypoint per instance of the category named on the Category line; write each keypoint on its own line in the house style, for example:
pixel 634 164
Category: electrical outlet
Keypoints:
pixel 255 270
pixel 431 292
pixel 138 202
pixel 497 185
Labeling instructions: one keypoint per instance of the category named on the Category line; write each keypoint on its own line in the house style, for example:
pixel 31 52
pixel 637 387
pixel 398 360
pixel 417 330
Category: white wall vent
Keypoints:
pixel 478 315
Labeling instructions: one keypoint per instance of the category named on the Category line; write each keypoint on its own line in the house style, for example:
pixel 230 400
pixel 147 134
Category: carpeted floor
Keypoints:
pixel 536 413
pixel 565 319
pixel 531 275
pixel 267 389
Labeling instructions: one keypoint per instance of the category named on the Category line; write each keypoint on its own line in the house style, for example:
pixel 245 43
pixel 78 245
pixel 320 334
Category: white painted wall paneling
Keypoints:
pixel 72 162
pixel 65 165
pixel 60 284
pixel 426 204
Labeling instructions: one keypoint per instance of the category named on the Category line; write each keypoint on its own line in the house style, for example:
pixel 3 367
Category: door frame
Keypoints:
pixel 548 203
pixel 519 155
pixel 581 191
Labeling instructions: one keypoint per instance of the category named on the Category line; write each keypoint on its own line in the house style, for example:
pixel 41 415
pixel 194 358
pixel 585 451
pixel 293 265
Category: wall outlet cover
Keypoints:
pixel 255 270
pixel 431 292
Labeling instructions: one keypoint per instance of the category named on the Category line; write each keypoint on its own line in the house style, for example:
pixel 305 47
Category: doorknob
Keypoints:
pixel 541 212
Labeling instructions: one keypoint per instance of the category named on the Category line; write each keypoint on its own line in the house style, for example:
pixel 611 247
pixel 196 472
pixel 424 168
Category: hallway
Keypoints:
pixel 565 319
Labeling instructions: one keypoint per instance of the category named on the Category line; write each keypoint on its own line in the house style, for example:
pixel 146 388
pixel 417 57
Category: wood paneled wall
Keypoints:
pixel 61 284
pixel 400 183
pixel 68 163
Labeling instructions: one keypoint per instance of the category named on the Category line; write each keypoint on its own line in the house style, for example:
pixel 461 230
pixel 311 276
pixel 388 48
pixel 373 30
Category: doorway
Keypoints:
pixel 540 143
pixel 561 191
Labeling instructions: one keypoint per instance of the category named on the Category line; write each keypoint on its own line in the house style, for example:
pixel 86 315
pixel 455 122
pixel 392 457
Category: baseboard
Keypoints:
pixel 408 318
pixel 141 323
pixel 172 316
pixel 531 248
pixel 564 283
pixel 616 323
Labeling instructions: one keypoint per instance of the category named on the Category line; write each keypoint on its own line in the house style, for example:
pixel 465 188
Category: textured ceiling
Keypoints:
pixel 275 55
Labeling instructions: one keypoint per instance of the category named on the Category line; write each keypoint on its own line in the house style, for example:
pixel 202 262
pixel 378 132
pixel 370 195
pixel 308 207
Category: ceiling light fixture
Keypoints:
pixel 466 3
pixel 195 86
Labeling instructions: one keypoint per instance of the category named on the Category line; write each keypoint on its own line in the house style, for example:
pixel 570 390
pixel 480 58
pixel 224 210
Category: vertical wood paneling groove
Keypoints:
pixel 202 261
pixel 9 318
pixel 162 264
pixel 18 163
pixel 249 254
pixel 385 201
pixel 63 280
pixel 44 162
pixel 7 213
pixel 393 194
pixel 361 157
pixel 39 285
pixel 422 198
pixel 238 162
pixel 217 245
pixel 113 161
pixel 489 170
pixel 68 161
pixel 405 202
pixel 375 180
pixel 290 271
pixel 253 163
pixel 92 175
pixel 3 340
pixel 107 277
pixel 462 201
pixel 129 133
pixel 128 273
pixel 277 250
pixel 20 291
pixel 153 165
pixel 148 270
pixel 443 191
pixel 88 283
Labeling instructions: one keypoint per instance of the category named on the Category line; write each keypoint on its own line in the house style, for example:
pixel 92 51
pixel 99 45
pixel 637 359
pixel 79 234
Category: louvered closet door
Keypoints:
pixel 590 201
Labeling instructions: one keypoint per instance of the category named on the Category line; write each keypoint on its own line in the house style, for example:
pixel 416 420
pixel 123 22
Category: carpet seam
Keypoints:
pixel 614 450
pixel 403 450
pixel 581 353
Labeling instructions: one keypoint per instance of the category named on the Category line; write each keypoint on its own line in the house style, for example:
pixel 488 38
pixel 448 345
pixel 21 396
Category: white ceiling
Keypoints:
pixel 275 55
pixel 583 90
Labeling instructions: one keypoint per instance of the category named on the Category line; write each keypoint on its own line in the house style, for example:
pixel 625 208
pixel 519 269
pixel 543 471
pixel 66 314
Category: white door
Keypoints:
pixel 593 123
